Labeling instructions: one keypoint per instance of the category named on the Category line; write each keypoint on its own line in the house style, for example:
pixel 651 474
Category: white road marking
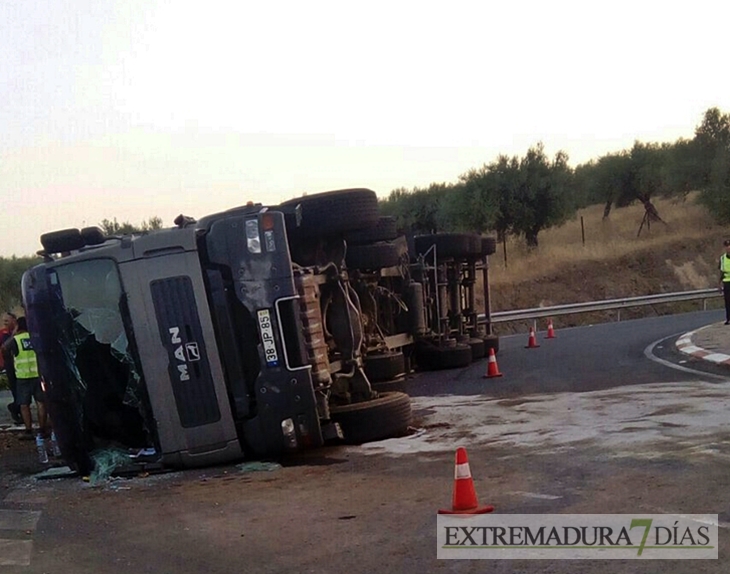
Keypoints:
pixel 18 519
pixel 715 358
pixel 536 495
pixel 15 552
pixel 25 496
pixel 649 354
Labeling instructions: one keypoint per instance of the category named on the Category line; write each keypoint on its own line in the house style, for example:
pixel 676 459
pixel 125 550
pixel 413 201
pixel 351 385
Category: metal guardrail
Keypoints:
pixel 607 305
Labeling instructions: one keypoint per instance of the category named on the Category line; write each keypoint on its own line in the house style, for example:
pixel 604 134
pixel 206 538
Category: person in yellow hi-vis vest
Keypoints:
pixel 725 278
pixel 28 386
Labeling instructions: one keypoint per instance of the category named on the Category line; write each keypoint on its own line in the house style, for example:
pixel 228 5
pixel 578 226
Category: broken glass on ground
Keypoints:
pixel 106 462
pixel 258 466
pixel 56 472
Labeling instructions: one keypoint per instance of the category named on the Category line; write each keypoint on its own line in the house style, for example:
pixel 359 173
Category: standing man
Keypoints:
pixel 28 381
pixel 10 323
pixel 725 278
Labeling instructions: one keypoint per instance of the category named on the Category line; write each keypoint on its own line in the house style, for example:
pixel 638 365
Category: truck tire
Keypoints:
pixel 373 256
pixel 491 342
pixel 478 348
pixel 432 357
pixel 93 236
pixel 489 246
pixel 62 241
pixel 384 366
pixel 331 212
pixel 449 245
pixel 384 230
pixel 453 357
pixel 387 416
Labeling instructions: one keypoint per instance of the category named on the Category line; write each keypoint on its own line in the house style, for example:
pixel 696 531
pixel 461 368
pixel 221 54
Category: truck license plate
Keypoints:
pixel 267 338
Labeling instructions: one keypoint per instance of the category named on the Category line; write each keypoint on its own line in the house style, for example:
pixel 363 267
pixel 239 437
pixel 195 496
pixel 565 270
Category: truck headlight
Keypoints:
pixel 289 432
pixel 253 240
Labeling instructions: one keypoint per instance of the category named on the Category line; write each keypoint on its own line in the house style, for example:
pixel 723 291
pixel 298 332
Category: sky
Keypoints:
pixel 131 109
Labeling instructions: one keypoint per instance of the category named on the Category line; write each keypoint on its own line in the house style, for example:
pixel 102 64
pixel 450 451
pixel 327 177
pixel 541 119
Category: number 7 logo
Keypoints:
pixel 646 523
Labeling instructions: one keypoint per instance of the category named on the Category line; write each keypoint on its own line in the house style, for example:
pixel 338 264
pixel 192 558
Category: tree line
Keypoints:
pixel 522 196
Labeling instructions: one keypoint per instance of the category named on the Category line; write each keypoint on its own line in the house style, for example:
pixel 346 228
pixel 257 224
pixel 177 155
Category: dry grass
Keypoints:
pixel 606 240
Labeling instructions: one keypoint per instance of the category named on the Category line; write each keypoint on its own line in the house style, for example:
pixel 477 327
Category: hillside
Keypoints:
pixel 613 262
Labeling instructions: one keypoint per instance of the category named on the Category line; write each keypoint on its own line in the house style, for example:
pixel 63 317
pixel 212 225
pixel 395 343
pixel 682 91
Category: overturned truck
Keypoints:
pixel 251 332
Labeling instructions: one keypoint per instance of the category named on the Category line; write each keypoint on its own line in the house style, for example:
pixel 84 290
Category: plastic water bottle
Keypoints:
pixel 54 445
pixel 40 445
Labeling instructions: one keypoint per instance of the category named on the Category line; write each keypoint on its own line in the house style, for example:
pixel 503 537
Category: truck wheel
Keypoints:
pixel 373 256
pixel 431 356
pixel 62 240
pixel 457 245
pixel 384 366
pixel 384 230
pixel 453 357
pixel 387 416
pixel 491 342
pixel 478 348
pixel 332 212
pixel 489 246
pixel 93 236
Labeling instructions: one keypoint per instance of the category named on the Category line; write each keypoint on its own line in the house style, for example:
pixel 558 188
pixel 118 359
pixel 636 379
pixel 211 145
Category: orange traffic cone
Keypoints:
pixel 550 331
pixel 465 496
pixel 532 341
pixel 492 367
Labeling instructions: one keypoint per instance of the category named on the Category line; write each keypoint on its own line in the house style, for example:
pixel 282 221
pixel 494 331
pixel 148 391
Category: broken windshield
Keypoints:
pixel 99 355
pixel 92 293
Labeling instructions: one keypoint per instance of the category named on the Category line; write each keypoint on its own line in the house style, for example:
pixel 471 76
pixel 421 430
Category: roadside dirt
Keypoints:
pixel 340 510
pixel 677 266
pixel 373 508
pixel 17 459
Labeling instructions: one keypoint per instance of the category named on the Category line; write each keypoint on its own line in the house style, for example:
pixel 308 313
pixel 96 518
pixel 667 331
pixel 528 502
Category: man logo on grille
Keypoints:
pixel 189 352
pixel 192 351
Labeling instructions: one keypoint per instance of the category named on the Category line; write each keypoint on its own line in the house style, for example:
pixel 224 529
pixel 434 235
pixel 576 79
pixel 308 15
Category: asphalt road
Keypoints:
pixel 578 359
pixel 584 424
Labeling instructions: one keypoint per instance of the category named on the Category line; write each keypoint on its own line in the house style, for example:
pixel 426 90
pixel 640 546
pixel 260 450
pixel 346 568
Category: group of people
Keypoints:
pixel 21 365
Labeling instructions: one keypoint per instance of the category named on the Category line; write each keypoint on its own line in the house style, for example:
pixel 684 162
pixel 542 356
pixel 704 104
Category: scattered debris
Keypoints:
pixel 105 462
pixel 56 472
pixel 257 466
pixel 144 453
